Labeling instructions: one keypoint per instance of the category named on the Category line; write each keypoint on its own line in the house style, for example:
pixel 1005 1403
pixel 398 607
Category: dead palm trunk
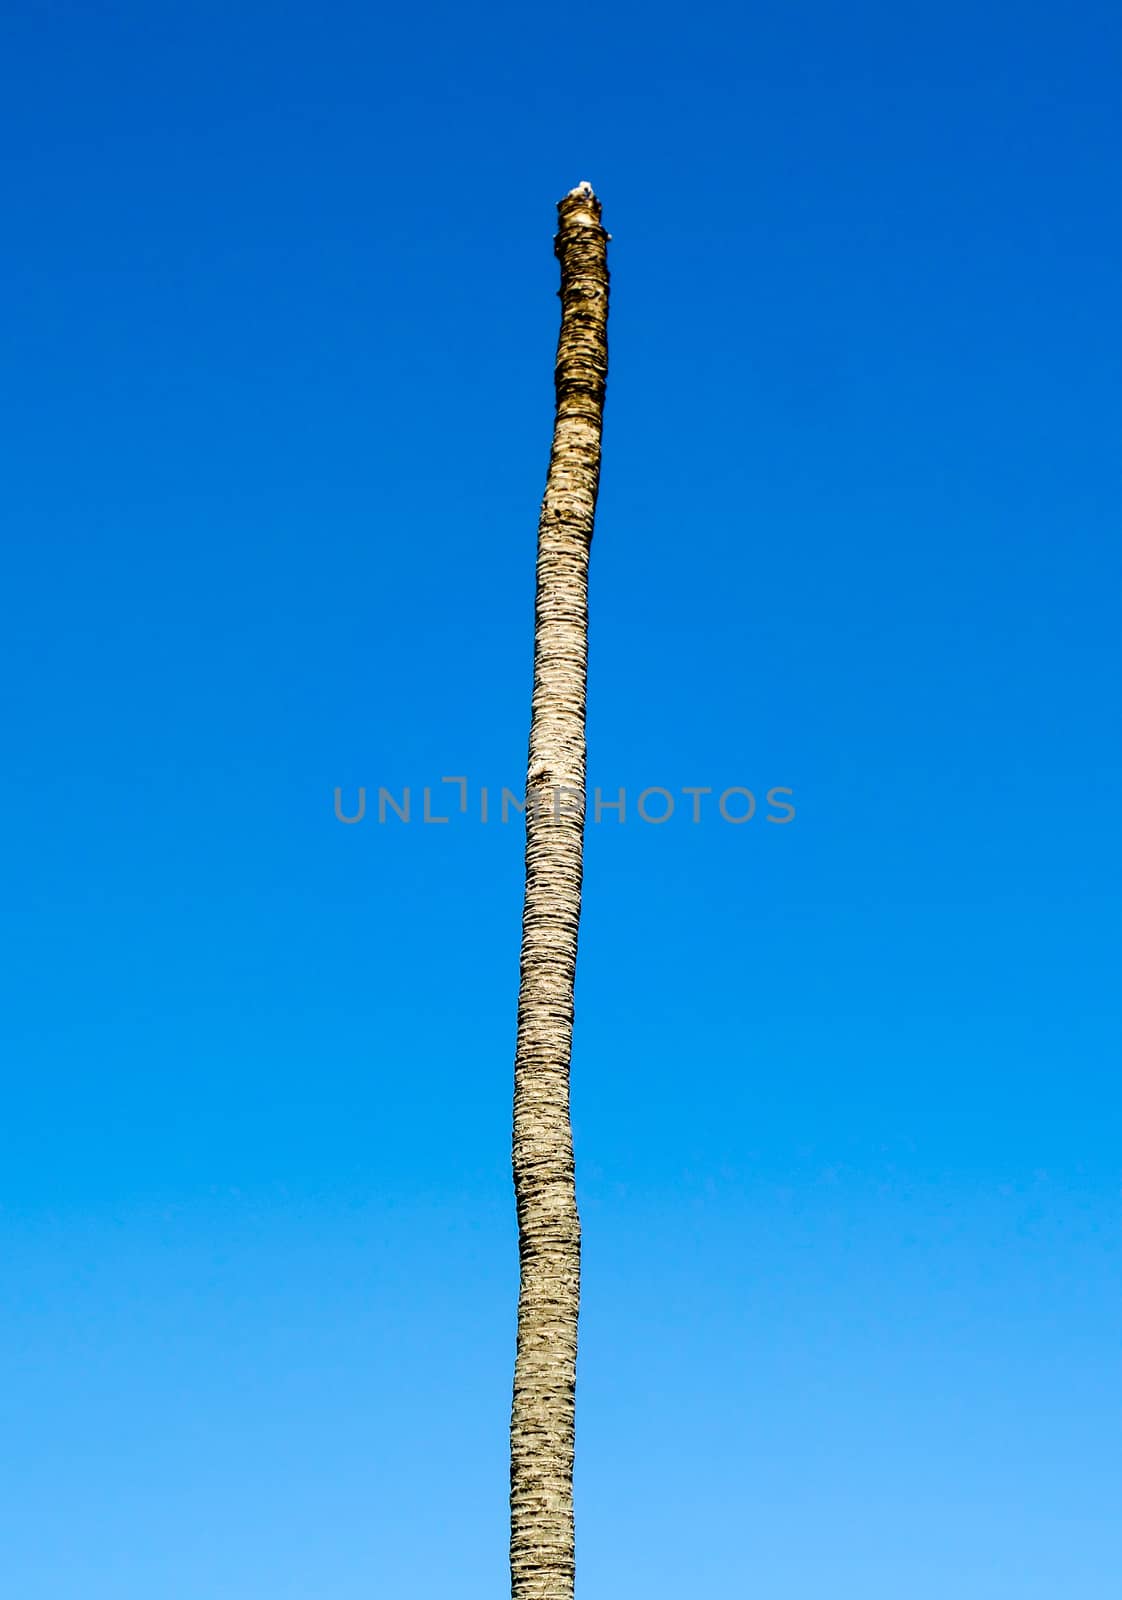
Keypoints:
pixel 541 1427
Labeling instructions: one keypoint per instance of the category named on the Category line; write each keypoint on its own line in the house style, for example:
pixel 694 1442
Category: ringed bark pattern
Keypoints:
pixel 543 1410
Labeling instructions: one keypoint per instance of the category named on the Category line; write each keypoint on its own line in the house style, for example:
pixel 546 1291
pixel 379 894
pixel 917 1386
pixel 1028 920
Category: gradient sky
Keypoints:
pixel 279 315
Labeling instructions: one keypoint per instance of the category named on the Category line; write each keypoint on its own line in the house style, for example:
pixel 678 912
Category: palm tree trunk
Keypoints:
pixel 541 1426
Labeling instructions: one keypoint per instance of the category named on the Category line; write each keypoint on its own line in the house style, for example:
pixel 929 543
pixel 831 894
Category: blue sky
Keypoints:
pixel 279 313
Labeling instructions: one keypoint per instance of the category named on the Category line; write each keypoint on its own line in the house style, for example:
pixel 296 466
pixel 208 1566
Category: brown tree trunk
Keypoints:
pixel 541 1426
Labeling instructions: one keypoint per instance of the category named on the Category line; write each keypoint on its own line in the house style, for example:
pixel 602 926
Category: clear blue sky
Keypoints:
pixel 279 315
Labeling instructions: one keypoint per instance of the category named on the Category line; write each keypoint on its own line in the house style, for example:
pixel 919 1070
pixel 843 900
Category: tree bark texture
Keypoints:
pixel 542 1415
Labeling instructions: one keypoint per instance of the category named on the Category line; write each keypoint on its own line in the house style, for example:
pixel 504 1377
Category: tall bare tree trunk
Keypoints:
pixel 541 1426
